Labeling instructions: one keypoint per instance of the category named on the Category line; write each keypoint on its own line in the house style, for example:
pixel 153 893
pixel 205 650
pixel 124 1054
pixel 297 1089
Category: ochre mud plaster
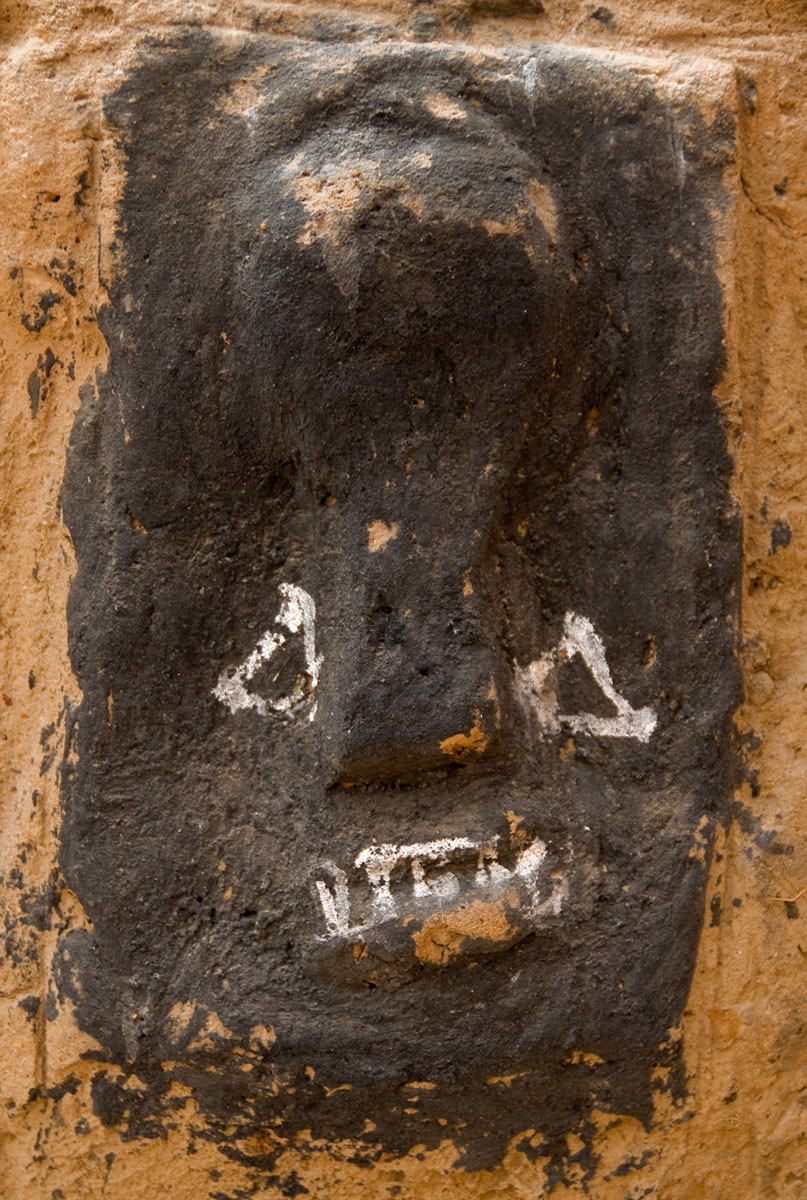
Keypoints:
pixel 739 1130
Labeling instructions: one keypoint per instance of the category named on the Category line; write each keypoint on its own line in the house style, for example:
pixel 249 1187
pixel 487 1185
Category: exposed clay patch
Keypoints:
pixel 378 534
pixel 241 97
pixel 541 200
pixel 445 107
pixel 445 934
pixel 463 745
pixel 329 197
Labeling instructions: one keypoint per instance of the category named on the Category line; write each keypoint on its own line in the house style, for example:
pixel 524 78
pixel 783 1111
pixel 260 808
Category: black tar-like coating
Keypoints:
pixel 473 297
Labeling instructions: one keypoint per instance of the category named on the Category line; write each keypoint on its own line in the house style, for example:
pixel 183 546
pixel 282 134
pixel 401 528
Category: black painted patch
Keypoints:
pixel 781 535
pixel 471 298
pixel 41 314
pixel 38 380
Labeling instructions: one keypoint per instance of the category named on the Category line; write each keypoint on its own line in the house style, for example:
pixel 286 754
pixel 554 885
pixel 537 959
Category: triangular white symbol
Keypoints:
pixel 297 612
pixel 535 686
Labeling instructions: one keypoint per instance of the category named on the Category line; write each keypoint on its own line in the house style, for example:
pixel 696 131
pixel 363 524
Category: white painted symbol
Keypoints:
pixel 380 861
pixel 297 613
pixel 336 903
pixel 535 685
pixel 438 890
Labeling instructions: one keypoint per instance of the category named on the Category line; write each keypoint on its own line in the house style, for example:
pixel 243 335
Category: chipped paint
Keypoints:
pixel 441 936
pixel 540 197
pixel 462 745
pixel 379 533
pixel 444 107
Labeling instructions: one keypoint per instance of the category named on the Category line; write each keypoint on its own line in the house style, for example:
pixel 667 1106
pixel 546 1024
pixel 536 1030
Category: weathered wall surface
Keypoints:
pixel 726 1083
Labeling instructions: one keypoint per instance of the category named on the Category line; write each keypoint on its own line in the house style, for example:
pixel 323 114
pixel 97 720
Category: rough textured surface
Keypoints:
pixel 741 1028
pixel 377 325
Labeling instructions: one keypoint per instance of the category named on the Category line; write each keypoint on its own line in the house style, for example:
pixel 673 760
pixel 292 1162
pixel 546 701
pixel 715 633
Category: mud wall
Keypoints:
pixel 714 1104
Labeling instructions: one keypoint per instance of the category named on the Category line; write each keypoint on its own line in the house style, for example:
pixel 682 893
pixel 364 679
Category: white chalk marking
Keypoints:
pixel 379 862
pixel 336 903
pixel 534 684
pixel 297 612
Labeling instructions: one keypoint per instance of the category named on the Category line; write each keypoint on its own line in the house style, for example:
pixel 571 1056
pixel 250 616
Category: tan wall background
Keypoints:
pixel 742 1132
